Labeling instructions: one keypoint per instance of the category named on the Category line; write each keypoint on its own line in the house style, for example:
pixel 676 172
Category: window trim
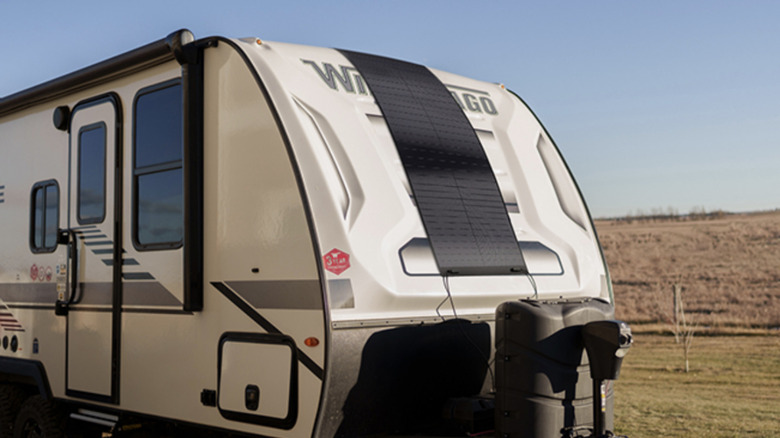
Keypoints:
pixel 90 127
pixel 155 168
pixel 42 185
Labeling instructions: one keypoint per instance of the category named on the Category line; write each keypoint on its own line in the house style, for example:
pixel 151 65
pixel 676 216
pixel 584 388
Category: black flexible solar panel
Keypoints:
pixel 451 179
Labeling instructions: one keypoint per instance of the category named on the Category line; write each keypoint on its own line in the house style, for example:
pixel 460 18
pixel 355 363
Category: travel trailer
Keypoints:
pixel 234 236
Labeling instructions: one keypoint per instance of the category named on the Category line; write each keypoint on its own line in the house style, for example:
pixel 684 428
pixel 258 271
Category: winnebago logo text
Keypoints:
pixel 348 79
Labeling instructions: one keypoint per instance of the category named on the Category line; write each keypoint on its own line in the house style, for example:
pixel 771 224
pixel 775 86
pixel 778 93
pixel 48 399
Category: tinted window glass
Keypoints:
pixel 45 211
pixel 38 195
pixel 158 127
pixel 160 209
pixel 157 170
pixel 92 174
pixel 51 222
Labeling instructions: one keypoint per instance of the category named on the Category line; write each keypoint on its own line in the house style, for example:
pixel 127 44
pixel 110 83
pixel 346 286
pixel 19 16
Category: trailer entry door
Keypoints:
pixel 94 220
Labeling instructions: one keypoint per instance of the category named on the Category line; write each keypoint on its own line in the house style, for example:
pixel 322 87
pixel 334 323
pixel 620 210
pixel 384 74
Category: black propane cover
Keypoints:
pixel 543 383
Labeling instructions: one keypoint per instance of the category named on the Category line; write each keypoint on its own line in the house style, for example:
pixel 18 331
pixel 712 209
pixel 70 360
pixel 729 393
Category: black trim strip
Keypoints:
pixel 191 61
pixel 89 396
pixel 31 306
pixel 156 53
pixel 171 311
pixel 454 186
pixel 266 325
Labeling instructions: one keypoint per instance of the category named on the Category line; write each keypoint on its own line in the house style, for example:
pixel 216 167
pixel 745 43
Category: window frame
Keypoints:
pixel 138 172
pixel 43 185
pixel 85 128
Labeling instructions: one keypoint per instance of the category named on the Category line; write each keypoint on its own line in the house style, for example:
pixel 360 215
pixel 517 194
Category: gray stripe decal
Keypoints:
pixel 148 293
pixel 93 236
pixel 95 294
pixel 28 292
pixel 137 276
pixel 280 294
pixel 128 262
pixel 135 294
pixel 102 242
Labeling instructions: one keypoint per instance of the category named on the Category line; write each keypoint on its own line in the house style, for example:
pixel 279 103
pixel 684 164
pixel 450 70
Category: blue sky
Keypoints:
pixel 654 104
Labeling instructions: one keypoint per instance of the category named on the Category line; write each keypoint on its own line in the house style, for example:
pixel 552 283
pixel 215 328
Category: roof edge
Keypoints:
pixel 150 55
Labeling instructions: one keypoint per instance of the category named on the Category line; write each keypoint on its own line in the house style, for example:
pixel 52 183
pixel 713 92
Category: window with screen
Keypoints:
pixel 92 174
pixel 157 167
pixel 44 216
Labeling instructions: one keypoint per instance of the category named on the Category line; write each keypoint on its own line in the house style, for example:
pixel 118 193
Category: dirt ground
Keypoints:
pixel 728 268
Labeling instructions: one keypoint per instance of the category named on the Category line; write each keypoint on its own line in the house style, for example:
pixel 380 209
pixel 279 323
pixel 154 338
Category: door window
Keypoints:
pixel 92 174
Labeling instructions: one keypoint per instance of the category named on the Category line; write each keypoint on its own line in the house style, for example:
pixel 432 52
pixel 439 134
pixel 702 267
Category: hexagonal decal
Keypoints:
pixel 336 261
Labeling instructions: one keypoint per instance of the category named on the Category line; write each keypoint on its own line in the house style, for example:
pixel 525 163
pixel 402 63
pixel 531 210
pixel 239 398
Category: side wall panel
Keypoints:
pixel 261 271
pixel 258 247
pixel 31 150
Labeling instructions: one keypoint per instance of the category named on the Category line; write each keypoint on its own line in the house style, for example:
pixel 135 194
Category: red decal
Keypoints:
pixel 48 273
pixel 336 261
pixel 34 272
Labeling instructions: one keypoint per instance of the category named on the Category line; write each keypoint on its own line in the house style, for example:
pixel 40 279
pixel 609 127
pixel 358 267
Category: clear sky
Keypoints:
pixel 654 104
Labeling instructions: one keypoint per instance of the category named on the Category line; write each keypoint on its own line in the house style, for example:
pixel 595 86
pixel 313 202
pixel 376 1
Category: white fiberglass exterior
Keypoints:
pixel 362 205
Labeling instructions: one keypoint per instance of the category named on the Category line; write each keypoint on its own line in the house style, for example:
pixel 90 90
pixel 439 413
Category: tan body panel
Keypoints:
pixel 257 243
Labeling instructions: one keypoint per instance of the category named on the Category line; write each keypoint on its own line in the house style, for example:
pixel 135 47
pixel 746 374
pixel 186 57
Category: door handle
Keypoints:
pixel 70 238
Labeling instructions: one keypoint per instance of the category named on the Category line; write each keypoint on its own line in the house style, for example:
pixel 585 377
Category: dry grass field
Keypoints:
pixel 728 267
pixel 732 389
pixel 729 271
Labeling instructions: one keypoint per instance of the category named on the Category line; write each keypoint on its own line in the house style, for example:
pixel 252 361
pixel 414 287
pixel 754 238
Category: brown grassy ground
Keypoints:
pixel 732 390
pixel 729 269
